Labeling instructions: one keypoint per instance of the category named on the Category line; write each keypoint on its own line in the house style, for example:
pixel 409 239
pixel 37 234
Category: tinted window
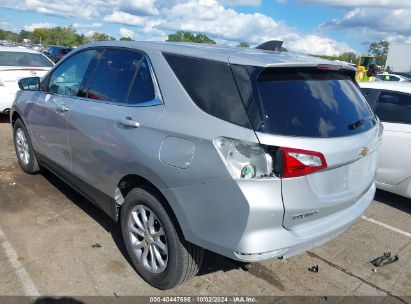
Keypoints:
pixel 371 96
pixel 67 78
pixel 143 87
pixel 23 59
pixel 394 107
pixel 211 86
pixel 114 75
pixel 307 102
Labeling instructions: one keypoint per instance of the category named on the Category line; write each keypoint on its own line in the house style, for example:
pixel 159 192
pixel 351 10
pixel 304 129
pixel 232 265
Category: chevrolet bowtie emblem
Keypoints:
pixel 364 151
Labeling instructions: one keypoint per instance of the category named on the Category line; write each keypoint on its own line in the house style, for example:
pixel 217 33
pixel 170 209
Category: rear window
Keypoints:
pixel 211 86
pixel 24 59
pixel 307 102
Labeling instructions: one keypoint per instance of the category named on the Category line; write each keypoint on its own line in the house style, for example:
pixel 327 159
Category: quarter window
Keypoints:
pixel 394 107
pixel 211 87
pixel 114 75
pixel 67 78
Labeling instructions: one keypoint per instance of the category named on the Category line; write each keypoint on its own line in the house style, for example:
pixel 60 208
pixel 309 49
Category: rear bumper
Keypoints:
pixel 294 242
pixel 243 220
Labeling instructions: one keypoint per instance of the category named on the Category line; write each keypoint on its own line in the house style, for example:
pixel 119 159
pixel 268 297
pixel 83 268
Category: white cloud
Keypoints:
pixel 125 18
pixel 95 25
pixel 33 26
pixel 138 7
pixel 241 2
pixel 127 33
pixel 155 19
pixel 316 45
pixel 361 3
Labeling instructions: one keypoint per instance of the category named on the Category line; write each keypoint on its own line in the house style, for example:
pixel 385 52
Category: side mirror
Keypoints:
pixel 29 84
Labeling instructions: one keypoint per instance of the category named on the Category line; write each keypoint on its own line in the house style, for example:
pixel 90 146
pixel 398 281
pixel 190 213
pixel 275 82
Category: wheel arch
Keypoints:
pixel 15 116
pixel 131 181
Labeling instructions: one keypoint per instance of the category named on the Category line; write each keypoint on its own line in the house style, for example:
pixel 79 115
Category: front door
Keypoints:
pixel 51 109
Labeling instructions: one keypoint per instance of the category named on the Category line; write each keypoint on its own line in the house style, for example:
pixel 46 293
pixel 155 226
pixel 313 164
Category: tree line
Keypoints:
pixel 68 36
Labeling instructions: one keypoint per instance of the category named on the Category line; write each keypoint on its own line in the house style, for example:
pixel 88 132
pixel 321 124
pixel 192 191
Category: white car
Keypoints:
pixel 391 102
pixel 392 77
pixel 17 63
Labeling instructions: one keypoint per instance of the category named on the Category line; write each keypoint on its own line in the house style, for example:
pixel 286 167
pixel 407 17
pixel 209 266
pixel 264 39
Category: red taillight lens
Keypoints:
pixel 328 67
pixel 297 162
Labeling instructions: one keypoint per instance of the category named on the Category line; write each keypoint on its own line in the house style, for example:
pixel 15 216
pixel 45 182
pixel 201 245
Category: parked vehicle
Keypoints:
pixel 17 63
pixel 391 102
pixel 392 77
pixel 251 154
pixel 55 53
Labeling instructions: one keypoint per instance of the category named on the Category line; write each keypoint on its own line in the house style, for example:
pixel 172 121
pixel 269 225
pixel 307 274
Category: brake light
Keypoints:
pixel 328 67
pixel 297 162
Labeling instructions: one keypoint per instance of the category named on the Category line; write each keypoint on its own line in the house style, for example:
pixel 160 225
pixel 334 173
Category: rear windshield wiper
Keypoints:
pixel 359 123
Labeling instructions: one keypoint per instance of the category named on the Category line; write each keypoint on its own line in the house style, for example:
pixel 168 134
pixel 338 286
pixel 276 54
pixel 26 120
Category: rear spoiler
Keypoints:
pixel 272 45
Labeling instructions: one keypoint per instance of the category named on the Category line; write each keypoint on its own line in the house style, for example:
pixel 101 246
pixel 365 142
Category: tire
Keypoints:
pixel 182 259
pixel 24 149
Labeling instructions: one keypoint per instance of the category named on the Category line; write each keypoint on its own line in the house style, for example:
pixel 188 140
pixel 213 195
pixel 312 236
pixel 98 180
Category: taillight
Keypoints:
pixel 328 67
pixel 297 162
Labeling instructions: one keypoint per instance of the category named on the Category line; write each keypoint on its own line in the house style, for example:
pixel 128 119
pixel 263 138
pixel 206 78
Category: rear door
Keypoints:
pixel 109 127
pixel 324 119
pixel 394 110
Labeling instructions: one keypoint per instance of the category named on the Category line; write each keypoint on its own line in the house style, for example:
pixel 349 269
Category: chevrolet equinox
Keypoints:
pixel 248 153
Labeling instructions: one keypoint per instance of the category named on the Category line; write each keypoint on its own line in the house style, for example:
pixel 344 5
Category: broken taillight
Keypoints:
pixel 297 162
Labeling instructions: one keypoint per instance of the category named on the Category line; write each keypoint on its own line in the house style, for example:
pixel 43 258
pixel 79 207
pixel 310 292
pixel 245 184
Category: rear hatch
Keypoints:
pixel 316 115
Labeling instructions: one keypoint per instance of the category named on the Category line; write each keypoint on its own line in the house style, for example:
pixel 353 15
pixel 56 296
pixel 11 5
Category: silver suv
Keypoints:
pixel 250 154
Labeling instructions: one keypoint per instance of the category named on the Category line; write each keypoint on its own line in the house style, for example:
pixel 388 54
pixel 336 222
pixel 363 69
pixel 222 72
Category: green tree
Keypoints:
pixel 40 35
pixel 244 44
pixel 182 36
pixel 99 37
pixel 126 39
pixel 8 35
pixel 380 50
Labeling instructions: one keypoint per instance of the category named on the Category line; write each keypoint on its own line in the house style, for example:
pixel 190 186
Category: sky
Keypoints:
pixel 324 27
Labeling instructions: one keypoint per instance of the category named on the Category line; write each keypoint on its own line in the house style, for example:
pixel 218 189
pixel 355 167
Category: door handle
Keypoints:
pixel 62 108
pixel 128 122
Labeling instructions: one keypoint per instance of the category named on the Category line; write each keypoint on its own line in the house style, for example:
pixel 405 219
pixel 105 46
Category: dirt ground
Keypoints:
pixel 56 243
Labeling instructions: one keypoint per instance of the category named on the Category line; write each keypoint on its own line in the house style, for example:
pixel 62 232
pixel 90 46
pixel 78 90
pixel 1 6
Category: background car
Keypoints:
pixel 392 77
pixel 391 102
pixel 55 53
pixel 17 63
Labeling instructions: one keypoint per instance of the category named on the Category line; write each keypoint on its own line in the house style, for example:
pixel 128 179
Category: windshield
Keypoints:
pixel 24 59
pixel 308 103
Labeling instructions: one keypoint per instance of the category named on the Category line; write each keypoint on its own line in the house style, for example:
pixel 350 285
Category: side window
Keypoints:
pixel 211 86
pixel 67 78
pixel 114 75
pixel 143 87
pixel 394 107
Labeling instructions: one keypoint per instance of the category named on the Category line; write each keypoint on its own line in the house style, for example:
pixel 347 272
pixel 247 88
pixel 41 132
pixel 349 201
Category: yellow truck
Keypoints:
pixel 364 61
